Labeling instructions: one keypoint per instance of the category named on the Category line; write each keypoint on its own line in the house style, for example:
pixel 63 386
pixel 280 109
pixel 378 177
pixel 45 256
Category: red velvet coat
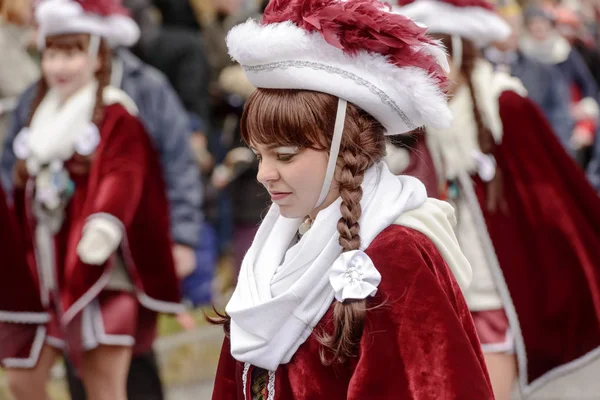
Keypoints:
pixel 419 344
pixel 19 298
pixel 548 245
pixel 124 182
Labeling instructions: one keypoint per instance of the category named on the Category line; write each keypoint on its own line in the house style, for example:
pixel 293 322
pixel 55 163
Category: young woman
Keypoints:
pixel 91 202
pixel 528 221
pixel 348 290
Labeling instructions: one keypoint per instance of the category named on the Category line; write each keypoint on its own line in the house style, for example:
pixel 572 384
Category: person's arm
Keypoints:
pixel 122 173
pixel 171 131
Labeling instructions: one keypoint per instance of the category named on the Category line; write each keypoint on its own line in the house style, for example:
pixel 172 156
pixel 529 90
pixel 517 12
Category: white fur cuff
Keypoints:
pixel 101 238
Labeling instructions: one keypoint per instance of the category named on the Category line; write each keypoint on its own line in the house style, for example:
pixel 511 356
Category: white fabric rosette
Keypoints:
pixel 354 276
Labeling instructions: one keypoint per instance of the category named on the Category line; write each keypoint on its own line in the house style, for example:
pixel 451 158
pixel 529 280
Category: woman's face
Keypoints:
pixel 294 178
pixel 539 28
pixel 68 70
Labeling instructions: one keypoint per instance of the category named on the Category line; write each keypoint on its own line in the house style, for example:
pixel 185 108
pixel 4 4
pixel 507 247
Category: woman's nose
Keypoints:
pixel 267 172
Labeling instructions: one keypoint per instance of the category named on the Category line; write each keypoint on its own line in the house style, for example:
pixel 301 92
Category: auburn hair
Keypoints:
pixel 470 55
pixel 306 119
pixel 80 42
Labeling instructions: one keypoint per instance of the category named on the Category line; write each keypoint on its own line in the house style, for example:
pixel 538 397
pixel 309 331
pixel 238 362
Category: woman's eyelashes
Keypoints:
pixel 282 154
pixel 285 157
pixel 286 154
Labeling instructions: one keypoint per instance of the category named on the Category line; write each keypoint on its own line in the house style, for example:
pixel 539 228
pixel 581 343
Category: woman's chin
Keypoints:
pixel 291 212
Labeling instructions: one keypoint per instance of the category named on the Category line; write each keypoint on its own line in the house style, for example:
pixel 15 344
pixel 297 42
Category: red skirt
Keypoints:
pixel 114 318
pixel 494 331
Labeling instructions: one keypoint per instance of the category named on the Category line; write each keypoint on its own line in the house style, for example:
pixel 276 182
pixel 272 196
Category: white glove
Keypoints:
pixel 101 238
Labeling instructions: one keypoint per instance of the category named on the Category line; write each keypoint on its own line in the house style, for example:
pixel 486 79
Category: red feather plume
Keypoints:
pixel 360 25
pixel 458 3
pixel 105 8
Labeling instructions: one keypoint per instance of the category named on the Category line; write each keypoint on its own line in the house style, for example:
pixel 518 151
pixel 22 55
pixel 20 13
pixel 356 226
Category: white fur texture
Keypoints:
pixel 412 89
pixel 477 24
pixel 56 17
pixel 455 149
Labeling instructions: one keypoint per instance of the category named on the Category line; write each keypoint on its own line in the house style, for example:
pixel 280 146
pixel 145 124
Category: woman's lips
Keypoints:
pixel 275 196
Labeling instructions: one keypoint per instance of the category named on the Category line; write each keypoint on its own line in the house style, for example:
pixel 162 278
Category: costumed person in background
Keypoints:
pixel 543 42
pixel 166 121
pixel 354 277
pixel 91 201
pixel 545 85
pixel 528 221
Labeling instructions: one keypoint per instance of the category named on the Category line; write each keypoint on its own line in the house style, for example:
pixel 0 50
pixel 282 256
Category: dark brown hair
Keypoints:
pixel 306 119
pixel 81 42
pixel 470 54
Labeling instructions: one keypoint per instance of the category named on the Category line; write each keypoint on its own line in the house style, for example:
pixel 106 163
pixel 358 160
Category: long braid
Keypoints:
pixel 103 78
pixel 484 135
pixel 348 317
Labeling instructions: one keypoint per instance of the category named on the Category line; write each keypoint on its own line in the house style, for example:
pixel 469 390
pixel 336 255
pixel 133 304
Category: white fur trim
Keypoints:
pixel 94 291
pixel 284 56
pixel 56 343
pixel 24 317
pixel 94 333
pixel 455 147
pixel 589 107
pixel 57 17
pixel 34 355
pixel 101 237
pixel 397 158
pixel 507 346
pixel 114 95
pixel 481 26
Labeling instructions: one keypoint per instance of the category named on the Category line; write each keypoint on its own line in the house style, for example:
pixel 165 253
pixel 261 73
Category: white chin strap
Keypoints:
pixel 94 46
pixel 457 52
pixel 334 151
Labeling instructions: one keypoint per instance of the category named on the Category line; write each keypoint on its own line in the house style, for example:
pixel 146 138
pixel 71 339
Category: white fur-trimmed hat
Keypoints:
pixel 357 50
pixel 105 18
pixel 474 20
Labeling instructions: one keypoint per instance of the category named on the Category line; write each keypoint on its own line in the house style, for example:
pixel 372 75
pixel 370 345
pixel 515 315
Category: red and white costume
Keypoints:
pixel 96 243
pixel 536 260
pixel 419 340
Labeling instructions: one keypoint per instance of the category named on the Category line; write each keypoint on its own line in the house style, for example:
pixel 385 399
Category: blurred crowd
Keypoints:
pixel 197 93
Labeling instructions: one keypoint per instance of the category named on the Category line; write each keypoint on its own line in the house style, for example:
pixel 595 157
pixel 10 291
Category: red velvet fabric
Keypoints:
pixel 419 343
pixel 548 245
pixel 125 181
pixel 19 291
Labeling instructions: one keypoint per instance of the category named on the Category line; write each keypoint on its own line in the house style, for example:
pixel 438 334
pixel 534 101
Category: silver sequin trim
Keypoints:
pixel 337 71
pixel 245 379
pixel 271 386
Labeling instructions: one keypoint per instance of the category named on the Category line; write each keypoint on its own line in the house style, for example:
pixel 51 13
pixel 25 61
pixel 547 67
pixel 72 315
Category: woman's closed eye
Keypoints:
pixel 285 157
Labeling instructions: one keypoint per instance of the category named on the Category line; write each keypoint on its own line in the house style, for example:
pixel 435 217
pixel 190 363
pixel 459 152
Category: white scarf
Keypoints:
pixel 554 50
pixel 283 292
pixel 456 149
pixel 59 128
